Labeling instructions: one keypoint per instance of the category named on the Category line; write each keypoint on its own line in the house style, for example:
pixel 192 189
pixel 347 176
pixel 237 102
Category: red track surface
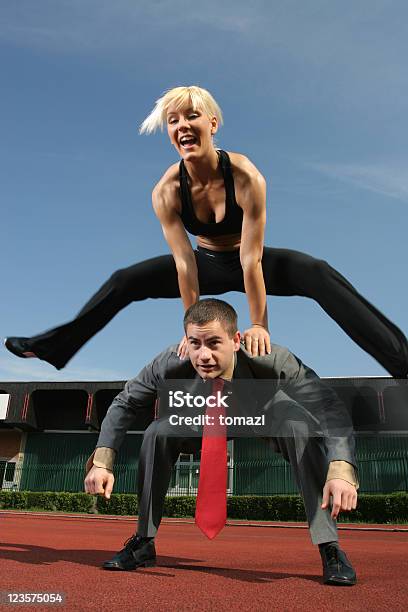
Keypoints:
pixel 250 568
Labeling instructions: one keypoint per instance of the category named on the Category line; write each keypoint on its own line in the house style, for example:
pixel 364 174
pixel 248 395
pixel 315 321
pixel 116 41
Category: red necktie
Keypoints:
pixel 211 505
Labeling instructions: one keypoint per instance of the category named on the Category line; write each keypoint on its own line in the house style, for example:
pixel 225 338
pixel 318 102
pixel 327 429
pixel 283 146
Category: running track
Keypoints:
pixel 244 568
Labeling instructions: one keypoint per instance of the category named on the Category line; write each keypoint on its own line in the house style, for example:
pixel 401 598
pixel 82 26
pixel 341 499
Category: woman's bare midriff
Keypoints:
pixel 229 242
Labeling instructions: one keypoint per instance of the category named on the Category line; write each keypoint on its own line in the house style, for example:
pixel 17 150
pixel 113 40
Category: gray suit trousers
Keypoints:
pixel 298 442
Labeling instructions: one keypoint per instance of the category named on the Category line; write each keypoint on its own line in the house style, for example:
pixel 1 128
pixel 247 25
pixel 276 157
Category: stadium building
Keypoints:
pixel 48 430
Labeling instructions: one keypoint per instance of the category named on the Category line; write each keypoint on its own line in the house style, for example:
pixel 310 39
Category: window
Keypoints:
pixel 4 402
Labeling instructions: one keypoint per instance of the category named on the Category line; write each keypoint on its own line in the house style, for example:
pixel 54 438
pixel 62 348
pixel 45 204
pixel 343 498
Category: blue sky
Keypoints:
pixel 314 93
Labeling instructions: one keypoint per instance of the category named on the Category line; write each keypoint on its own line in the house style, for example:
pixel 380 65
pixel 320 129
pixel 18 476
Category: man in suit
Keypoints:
pixel 305 421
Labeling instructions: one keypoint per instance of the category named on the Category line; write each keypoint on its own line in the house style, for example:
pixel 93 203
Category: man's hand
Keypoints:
pixel 344 496
pixel 182 350
pixel 257 341
pixel 99 481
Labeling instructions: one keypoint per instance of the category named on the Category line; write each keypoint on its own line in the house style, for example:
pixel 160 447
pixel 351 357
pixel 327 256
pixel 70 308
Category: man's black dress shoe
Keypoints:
pixel 337 569
pixel 137 553
pixel 18 346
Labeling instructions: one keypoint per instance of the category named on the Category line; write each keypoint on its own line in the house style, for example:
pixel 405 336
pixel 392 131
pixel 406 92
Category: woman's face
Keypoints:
pixel 190 131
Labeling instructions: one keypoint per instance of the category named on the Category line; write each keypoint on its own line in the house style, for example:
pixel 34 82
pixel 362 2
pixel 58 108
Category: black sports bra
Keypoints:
pixel 232 221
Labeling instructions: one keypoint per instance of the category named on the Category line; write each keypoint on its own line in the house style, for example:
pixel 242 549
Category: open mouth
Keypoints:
pixel 187 142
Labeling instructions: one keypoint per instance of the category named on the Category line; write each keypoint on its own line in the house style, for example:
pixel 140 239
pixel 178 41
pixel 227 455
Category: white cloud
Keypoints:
pixel 386 179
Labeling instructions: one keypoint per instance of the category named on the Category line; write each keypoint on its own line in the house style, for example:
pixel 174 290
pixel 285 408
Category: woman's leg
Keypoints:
pixel 153 278
pixel 288 272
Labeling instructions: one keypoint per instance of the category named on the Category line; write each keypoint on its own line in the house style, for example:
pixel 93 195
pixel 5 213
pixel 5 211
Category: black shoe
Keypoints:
pixel 337 569
pixel 18 346
pixel 137 553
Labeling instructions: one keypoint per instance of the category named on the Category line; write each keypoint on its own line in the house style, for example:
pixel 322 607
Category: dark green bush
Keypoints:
pixel 119 503
pixel 177 507
pixel 390 508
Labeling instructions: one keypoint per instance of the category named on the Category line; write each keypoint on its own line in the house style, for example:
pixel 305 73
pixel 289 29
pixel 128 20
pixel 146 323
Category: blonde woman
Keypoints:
pixel 220 197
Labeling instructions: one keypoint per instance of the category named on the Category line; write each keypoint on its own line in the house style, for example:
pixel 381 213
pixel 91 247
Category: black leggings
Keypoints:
pixel 286 273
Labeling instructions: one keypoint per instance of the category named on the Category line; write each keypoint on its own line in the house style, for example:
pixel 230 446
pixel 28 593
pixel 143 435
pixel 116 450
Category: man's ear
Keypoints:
pixel 237 340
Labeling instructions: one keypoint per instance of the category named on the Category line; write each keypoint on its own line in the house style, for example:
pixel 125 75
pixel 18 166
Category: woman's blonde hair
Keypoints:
pixel 199 98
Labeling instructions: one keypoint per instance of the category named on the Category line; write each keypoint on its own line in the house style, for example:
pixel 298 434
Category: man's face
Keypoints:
pixel 211 350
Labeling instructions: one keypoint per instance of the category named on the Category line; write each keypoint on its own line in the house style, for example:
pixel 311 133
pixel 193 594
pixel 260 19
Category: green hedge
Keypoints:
pixel 119 503
pixel 391 508
pixel 30 500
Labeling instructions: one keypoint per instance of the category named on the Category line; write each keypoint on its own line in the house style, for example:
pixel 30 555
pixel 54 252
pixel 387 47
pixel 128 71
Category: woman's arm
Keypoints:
pixel 165 207
pixel 253 204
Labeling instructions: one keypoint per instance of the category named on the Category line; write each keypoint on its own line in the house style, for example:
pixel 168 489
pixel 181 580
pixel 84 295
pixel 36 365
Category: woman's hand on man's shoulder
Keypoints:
pixel 257 341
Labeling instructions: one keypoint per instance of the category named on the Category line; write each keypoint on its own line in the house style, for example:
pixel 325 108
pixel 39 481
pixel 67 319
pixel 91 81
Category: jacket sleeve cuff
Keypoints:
pixel 344 471
pixel 101 457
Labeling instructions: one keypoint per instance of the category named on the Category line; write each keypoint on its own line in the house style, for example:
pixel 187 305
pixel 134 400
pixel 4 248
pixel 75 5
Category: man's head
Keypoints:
pixel 211 329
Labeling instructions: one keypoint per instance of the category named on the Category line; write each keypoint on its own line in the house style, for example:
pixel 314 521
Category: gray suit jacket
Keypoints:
pixel 291 379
